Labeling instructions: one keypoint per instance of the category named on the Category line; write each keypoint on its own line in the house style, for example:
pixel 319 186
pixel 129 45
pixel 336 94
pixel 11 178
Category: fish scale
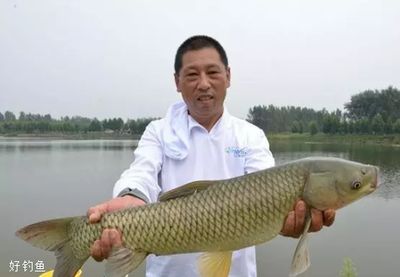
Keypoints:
pixel 210 216
pixel 222 217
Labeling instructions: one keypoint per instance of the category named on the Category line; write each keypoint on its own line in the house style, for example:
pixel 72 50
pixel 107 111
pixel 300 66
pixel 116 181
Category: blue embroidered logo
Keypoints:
pixel 236 151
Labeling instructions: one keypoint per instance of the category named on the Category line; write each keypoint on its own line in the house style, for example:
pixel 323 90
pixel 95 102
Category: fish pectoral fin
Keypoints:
pixel 215 264
pixel 301 256
pixel 185 190
pixel 122 261
pixel 67 264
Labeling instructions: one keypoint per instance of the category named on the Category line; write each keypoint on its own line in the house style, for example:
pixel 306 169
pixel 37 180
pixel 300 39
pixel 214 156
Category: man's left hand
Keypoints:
pixel 295 221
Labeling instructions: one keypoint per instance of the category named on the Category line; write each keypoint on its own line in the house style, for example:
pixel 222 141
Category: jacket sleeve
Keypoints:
pixel 142 175
pixel 259 155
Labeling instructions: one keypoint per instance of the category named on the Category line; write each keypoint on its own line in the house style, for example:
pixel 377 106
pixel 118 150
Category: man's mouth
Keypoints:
pixel 205 98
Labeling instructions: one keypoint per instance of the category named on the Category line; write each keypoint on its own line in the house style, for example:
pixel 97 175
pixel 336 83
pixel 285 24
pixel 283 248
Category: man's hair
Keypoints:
pixel 197 43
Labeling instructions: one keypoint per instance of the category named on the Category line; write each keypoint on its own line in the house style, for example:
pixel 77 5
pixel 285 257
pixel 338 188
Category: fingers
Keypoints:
pixel 329 217
pixel 321 218
pixel 102 248
pixel 289 225
pixel 110 238
pixel 94 213
pixel 295 221
pixel 96 251
pixel 317 221
pixel 300 215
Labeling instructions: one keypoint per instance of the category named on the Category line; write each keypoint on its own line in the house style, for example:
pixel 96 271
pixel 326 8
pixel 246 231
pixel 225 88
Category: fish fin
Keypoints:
pixel 122 261
pixel 301 256
pixel 215 264
pixel 52 235
pixel 185 190
pixel 47 235
pixel 67 264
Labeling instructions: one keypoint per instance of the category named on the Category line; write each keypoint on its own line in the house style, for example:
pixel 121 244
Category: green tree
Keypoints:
pixel 95 126
pixel 47 117
pixel 388 128
pixel 362 126
pixel 369 103
pixel 313 127
pixel 9 126
pixel 9 116
pixel 67 127
pixel 21 116
pixel 396 126
pixel 131 126
pixel 331 123
pixel 351 127
pixel 282 119
pixel 297 127
pixel 344 127
pixel 1 117
pixel 377 124
pixel 142 124
pixel 258 116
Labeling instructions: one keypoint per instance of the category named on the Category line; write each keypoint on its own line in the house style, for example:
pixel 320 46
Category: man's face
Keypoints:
pixel 203 81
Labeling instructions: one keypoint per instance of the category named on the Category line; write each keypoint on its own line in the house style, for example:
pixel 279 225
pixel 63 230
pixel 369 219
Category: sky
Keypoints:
pixel 106 59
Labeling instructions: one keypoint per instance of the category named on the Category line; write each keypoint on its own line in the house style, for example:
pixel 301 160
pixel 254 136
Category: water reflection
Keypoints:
pixel 10 145
pixel 385 157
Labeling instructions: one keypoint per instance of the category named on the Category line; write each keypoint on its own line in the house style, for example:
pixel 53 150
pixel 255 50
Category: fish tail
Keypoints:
pixel 52 235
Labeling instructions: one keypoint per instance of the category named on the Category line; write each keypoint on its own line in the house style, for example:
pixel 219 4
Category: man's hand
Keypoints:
pixel 101 248
pixel 295 221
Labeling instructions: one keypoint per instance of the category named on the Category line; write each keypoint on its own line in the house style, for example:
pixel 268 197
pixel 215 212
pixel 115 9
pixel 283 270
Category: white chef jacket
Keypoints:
pixel 176 150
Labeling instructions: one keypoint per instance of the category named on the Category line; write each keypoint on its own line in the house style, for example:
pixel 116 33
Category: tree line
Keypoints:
pixel 39 124
pixel 371 111
pixel 368 112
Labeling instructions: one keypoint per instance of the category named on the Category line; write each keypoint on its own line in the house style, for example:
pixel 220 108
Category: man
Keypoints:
pixel 197 140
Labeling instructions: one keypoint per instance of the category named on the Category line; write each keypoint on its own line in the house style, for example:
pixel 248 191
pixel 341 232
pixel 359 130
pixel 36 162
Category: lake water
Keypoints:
pixel 42 179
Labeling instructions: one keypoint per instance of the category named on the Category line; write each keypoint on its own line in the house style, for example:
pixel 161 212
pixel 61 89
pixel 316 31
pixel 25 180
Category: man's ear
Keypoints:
pixel 178 88
pixel 228 76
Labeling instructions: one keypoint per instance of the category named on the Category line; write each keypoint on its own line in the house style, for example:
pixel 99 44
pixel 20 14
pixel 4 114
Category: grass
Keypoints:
pixel 348 269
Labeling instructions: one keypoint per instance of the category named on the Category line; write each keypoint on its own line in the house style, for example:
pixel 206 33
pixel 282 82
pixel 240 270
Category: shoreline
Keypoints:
pixel 320 138
pixel 386 140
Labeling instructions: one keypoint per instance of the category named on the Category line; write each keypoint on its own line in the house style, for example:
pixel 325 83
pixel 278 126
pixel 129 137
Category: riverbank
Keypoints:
pixel 393 140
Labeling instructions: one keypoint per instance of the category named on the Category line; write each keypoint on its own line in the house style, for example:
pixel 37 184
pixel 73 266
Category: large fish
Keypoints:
pixel 214 217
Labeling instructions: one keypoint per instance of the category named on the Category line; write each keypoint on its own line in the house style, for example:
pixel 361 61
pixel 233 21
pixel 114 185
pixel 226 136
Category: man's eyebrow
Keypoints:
pixel 206 66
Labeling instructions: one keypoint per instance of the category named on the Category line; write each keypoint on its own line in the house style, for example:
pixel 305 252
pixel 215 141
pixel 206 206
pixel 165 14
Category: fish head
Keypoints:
pixel 334 183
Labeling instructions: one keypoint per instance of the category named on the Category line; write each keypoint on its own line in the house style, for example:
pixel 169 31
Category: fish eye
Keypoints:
pixel 356 185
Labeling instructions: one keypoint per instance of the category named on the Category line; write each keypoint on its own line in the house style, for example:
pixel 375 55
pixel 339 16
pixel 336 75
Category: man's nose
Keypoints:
pixel 204 82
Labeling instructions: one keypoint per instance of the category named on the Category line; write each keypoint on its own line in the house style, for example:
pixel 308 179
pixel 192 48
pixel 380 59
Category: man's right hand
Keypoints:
pixel 102 247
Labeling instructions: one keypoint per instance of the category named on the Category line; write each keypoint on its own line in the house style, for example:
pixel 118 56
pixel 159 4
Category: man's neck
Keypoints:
pixel 209 122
